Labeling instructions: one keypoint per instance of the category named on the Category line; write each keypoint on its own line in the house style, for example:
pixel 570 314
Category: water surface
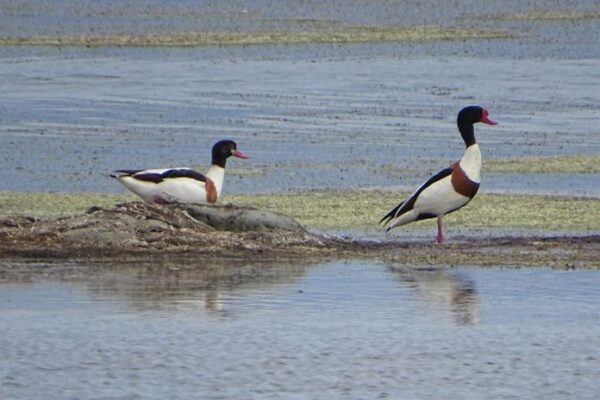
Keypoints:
pixel 312 116
pixel 351 123
pixel 341 329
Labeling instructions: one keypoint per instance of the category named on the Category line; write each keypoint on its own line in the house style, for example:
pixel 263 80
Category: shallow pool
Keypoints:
pixel 342 329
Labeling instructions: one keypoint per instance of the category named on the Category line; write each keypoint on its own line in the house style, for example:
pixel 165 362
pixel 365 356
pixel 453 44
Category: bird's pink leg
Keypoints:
pixel 440 233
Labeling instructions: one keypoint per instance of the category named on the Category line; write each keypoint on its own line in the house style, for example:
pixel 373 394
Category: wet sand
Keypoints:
pixel 566 252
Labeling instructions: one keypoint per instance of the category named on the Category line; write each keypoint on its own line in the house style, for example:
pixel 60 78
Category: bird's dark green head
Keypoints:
pixel 224 149
pixel 469 116
pixel 473 114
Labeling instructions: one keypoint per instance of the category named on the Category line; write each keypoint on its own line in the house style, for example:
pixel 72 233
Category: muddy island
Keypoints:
pixel 135 229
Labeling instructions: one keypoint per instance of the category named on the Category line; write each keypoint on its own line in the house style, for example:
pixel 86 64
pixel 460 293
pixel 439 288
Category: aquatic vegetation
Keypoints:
pixel 344 210
pixel 531 212
pixel 336 34
pixel 571 164
pixel 352 210
pixel 55 204
pixel 249 171
pixel 552 15
pixel 583 164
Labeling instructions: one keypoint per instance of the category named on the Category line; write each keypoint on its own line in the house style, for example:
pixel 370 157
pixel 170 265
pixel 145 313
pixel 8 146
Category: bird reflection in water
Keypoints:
pixel 449 296
pixel 208 288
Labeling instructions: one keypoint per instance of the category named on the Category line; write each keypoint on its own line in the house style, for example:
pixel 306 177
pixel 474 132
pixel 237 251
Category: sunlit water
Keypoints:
pixel 340 330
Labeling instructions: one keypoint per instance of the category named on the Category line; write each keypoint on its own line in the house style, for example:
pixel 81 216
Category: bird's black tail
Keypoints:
pixel 124 172
pixel 392 214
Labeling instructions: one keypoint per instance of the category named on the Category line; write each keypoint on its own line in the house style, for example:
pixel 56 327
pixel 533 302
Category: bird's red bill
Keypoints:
pixel 485 119
pixel 239 154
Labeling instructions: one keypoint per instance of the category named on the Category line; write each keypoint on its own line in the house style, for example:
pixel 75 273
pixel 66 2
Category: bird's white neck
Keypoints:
pixel 471 163
pixel 217 175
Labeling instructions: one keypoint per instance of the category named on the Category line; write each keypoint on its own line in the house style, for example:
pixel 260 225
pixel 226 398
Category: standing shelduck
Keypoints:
pixel 181 185
pixel 449 189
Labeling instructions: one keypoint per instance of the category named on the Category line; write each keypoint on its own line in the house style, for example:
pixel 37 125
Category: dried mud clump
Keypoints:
pixel 139 227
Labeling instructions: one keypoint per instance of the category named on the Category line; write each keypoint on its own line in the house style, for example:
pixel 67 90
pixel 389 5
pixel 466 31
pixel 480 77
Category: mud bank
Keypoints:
pixel 136 230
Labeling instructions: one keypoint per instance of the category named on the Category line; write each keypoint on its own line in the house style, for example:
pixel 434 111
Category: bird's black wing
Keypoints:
pixel 159 177
pixel 183 173
pixel 409 203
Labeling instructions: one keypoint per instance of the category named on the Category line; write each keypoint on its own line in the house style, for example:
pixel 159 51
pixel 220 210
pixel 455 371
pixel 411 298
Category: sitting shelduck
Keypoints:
pixel 449 189
pixel 181 185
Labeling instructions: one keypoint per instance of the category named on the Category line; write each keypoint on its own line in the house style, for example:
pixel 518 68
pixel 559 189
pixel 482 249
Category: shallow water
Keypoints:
pixel 342 329
pixel 350 123
pixel 312 116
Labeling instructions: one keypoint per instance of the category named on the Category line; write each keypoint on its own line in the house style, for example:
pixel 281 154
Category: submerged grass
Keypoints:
pixel 541 15
pixel 584 164
pixel 352 210
pixel 56 204
pixel 337 34
pixel 571 164
pixel 346 210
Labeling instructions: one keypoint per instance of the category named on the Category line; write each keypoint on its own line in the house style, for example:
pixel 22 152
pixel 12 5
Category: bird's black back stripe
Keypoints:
pixel 168 174
pixel 128 171
pixel 409 203
pixel 391 214
pixel 183 173
pixel 156 178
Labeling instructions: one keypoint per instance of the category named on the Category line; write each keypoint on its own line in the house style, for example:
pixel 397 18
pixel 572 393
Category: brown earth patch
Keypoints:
pixel 139 230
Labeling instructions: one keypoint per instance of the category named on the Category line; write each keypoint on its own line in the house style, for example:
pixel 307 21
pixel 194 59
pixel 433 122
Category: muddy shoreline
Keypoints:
pixel 556 252
pixel 135 231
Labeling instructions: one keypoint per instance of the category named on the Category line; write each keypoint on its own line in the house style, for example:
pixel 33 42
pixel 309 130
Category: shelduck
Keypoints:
pixel 181 185
pixel 449 189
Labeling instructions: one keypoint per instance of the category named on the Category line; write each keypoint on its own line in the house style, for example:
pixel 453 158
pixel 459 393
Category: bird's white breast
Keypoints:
pixel 217 175
pixel 471 163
